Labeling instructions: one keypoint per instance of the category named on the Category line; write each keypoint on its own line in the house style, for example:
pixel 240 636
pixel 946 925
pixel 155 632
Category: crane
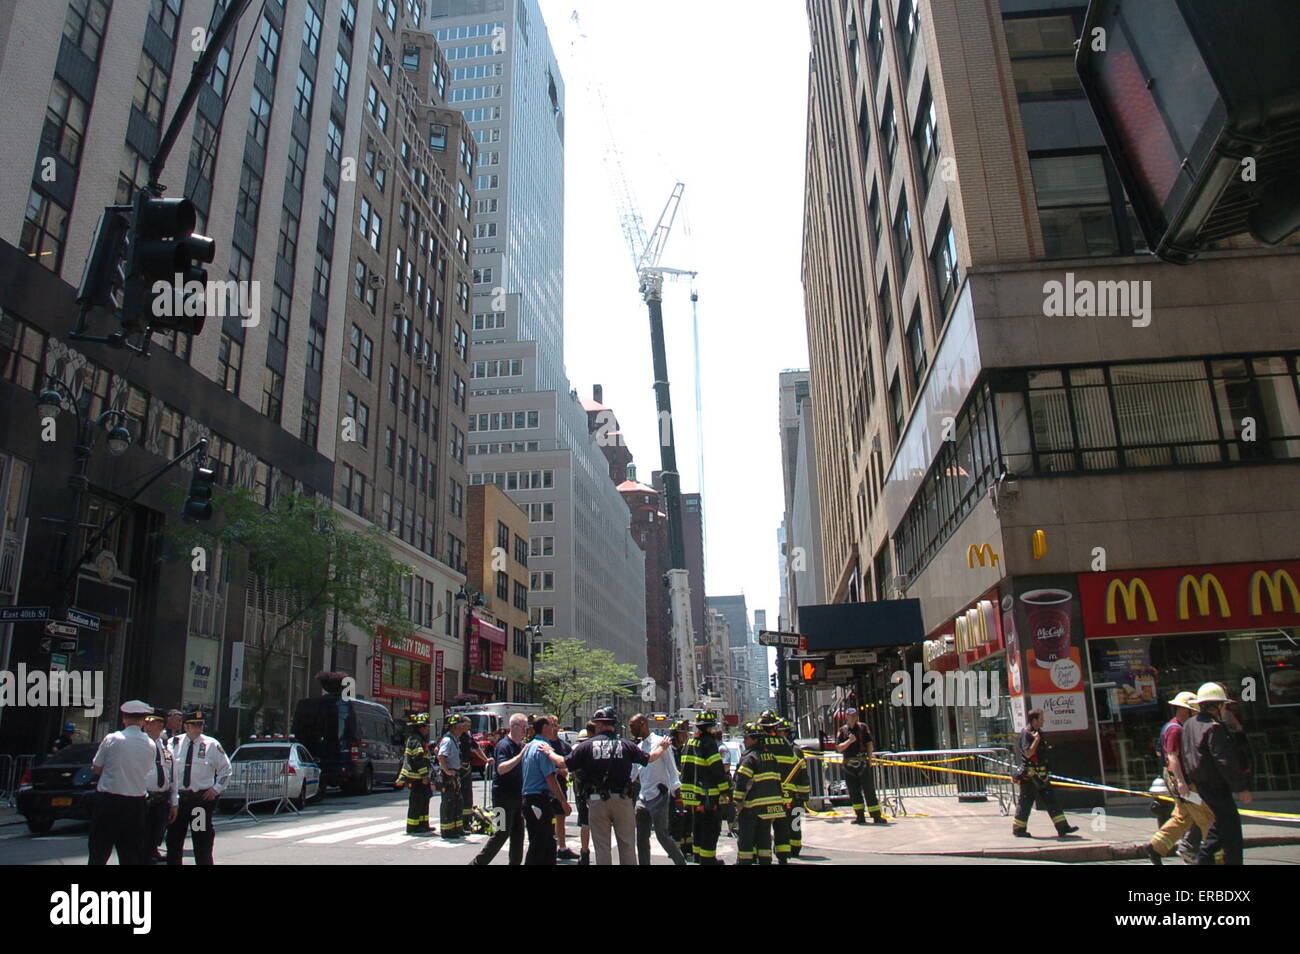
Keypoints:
pixel 646 252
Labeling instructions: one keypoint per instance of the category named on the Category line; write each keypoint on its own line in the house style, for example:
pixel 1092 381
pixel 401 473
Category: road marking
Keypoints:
pixel 395 839
pixel 296 830
pixel 336 837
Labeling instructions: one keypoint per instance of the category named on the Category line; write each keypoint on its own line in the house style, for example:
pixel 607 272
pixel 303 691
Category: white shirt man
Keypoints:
pixel 660 783
pixel 122 763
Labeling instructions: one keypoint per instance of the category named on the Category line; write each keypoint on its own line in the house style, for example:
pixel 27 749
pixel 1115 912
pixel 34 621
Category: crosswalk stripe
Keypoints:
pixel 394 839
pixel 335 837
pixel 296 830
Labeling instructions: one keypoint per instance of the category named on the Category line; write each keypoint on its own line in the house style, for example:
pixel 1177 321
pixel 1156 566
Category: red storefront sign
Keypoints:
pixel 406 647
pixel 437 678
pixel 1190 599
pixel 496 636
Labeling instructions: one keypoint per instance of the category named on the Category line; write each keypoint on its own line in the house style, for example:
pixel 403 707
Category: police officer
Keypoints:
pixel 681 829
pixel 449 762
pixel 854 742
pixel 604 765
pixel 160 790
pixel 794 784
pixel 122 764
pixel 759 800
pixel 705 788
pixel 1035 780
pixel 200 775
pixel 415 775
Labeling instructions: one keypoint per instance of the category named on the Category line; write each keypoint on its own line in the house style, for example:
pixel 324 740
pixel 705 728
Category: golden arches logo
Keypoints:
pixel 985 553
pixel 1203 587
pixel 1261 579
pixel 1129 593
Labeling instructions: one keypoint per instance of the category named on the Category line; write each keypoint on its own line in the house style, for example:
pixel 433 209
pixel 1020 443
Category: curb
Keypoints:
pixel 1095 852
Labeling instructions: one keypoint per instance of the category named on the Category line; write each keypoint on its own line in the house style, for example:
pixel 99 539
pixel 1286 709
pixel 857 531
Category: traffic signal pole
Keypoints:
pixel 780 682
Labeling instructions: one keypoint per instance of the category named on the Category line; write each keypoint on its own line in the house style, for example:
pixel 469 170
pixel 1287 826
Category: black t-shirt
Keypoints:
pixel 861 736
pixel 511 783
pixel 606 762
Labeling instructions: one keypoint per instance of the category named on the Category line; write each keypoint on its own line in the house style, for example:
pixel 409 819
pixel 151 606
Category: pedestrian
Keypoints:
pixel 65 738
pixel 1213 763
pixel 854 742
pixel 122 765
pixel 759 799
pixel 202 770
pixel 705 788
pixel 158 813
pixel 659 787
pixel 1033 774
pixel 678 732
pixel 543 797
pixel 449 764
pixel 415 775
pixel 605 763
pixel 508 793
pixel 1190 809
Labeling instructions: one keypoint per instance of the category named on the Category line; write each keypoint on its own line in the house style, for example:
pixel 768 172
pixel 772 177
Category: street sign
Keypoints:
pixel 68 645
pixel 58 662
pixel 84 620
pixel 59 629
pixel 23 614
pixel 774 638
pixel 839 673
pixel 855 659
pixel 45 645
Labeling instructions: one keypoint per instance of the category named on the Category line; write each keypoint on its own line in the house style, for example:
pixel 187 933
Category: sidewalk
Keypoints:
pixel 945 826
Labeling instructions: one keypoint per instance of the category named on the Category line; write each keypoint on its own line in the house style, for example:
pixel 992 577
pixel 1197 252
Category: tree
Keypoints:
pixel 298 550
pixel 570 673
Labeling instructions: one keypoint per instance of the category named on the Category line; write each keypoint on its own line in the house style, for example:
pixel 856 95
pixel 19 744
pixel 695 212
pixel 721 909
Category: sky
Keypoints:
pixel 711 93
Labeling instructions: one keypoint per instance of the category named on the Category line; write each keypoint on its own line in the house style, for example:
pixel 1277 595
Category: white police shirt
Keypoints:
pixel 126 758
pixel 162 760
pixel 209 767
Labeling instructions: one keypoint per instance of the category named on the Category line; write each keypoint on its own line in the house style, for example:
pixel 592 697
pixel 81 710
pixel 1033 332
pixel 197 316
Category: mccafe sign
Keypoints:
pixel 1192 599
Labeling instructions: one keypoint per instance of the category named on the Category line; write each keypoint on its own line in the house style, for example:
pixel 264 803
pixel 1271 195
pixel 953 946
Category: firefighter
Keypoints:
pixel 760 804
pixel 797 789
pixel 681 829
pixel 449 765
pixel 853 741
pixel 1033 775
pixel 705 788
pixel 415 773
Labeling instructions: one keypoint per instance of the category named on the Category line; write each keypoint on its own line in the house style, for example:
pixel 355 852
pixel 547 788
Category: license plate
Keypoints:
pixel 60 802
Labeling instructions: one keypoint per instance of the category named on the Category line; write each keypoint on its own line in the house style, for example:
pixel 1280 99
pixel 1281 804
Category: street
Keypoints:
pixel 368 830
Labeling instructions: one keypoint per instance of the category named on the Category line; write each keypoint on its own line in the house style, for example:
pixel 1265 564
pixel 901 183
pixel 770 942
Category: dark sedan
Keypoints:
pixel 60 787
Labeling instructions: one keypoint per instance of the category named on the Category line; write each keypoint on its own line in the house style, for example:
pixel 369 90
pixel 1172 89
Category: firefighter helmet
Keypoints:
pixel 419 718
pixel 769 719
pixel 706 718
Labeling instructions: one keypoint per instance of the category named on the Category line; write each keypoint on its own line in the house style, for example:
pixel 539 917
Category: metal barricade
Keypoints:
pixel 825 777
pixel 12 776
pixel 256 783
pixel 964 774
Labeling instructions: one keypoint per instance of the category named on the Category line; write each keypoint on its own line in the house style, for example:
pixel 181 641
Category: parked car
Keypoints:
pixel 295 762
pixel 63 786
pixel 356 742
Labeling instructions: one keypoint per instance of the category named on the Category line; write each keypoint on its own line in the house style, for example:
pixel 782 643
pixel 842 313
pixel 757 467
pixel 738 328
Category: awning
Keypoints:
pixel 862 625
pixel 493 634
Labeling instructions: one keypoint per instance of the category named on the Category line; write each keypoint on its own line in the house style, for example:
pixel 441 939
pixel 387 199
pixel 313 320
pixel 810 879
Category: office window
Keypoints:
pixel 230 356
pixel 272 395
pixel 150 88
pixel 521 598
pixel 367 356
pixel 297 159
pixel 311 30
pixel 896 407
pixel 926 136
pixel 134 175
pixel 873 209
pixel 303 94
pixel 886 302
pixel 280 307
pixel 348 16
pixel 455 498
pixel 65 122
pixel 250 194
pixel 310 421
pixel 390 444
pixel 288 247
pixel 876 39
pixel 321 281
pixel 908 28
pixel 203 149
pixel 315 346
pixel 166 13
pixel 541 546
pixel 1074 205
pixel 334 141
pixel 1042 56
pixel 85 24
pixel 916 348
pixel 943 261
pixel 903 232
pixel 889 130
pixel 329 204
pixel 410 56
pixel 268 44
pixel 354 346
pixel 342 73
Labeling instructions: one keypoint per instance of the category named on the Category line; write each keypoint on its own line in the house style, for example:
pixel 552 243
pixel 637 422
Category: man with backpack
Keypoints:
pixel 1212 761
pixel 1189 807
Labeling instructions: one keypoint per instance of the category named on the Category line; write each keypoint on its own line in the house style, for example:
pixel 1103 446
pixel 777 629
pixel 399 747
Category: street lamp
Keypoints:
pixel 533 630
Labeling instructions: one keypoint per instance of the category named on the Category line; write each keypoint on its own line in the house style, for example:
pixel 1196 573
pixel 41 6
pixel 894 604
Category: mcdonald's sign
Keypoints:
pixel 985 553
pixel 1190 599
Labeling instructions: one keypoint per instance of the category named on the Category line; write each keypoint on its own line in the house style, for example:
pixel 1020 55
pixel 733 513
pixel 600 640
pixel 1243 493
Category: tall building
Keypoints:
pixel 650 530
pixel 801 570
pixel 528 429
pixel 753 688
pixel 267 157
pixel 958 193
pixel 757 669
pixel 496 658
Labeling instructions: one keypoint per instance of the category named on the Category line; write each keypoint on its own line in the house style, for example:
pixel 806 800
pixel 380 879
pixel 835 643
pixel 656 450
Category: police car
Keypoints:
pixel 304 774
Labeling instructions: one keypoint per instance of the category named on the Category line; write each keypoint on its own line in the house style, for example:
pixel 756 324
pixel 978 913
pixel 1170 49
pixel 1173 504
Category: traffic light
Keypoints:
pixel 1196 101
pixel 772 679
pixel 163 247
pixel 198 504
pixel 809 670
pixel 103 277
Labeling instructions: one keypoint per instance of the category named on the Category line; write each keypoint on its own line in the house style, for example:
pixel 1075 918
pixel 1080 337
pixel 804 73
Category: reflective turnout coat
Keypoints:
pixel 704 777
pixel 758 781
pixel 415 760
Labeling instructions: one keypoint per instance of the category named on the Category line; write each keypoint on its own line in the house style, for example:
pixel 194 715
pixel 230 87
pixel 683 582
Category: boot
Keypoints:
pixel 1154 855
pixel 1021 832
